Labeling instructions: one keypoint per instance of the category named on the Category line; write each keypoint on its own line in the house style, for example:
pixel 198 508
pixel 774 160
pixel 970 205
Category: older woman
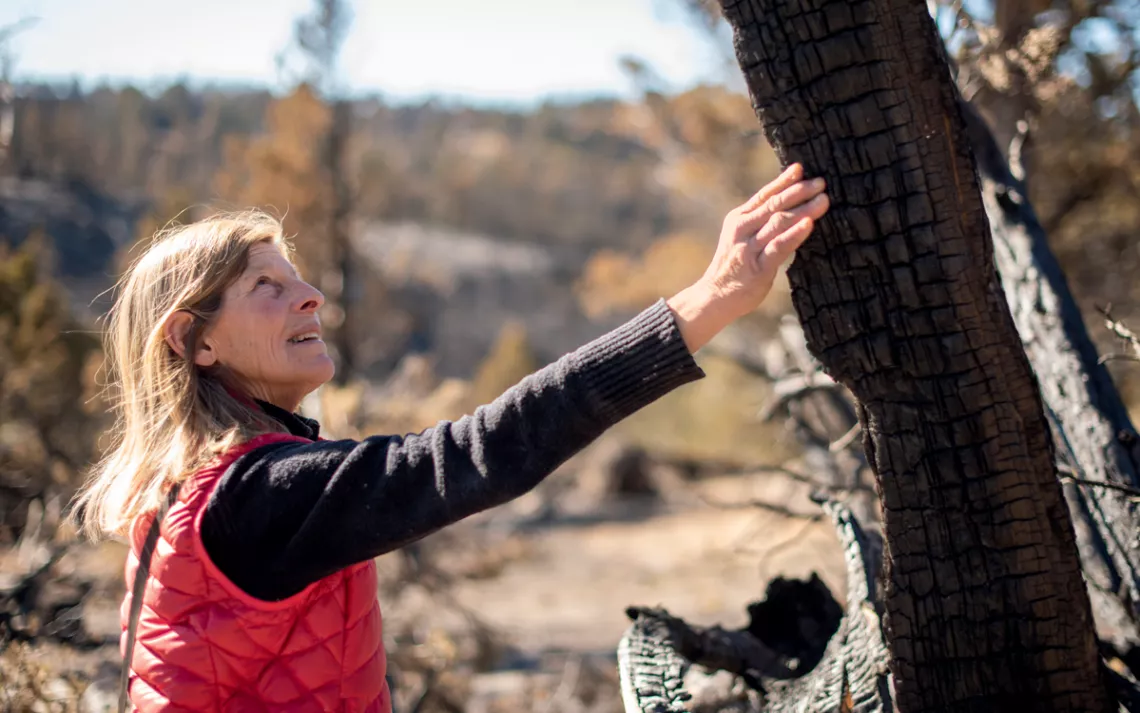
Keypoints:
pixel 251 583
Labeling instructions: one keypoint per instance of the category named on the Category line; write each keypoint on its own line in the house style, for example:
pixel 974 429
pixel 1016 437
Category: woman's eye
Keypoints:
pixel 263 281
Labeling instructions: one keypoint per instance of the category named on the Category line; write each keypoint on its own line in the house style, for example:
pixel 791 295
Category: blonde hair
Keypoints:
pixel 172 416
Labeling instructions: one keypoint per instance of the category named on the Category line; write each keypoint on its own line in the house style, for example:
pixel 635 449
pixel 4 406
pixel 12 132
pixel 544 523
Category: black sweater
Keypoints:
pixel 288 514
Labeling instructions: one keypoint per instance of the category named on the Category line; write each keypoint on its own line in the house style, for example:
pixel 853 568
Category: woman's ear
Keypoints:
pixel 176 330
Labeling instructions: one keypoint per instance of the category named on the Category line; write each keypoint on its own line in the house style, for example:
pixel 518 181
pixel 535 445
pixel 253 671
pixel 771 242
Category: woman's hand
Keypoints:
pixel 756 239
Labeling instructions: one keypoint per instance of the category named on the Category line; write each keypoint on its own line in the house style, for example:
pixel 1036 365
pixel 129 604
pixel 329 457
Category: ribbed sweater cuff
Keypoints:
pixel 636 364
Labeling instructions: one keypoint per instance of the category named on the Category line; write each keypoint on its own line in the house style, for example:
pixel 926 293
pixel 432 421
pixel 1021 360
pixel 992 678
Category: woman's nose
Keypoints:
pixel 310 298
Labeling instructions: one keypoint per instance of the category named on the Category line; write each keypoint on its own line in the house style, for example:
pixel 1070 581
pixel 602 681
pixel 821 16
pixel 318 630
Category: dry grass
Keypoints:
pixel 28 685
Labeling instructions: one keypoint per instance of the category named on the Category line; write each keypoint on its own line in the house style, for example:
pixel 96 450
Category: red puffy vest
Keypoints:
pixel 205 645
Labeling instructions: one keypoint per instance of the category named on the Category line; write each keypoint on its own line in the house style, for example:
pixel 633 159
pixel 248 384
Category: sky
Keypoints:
pixel 488 51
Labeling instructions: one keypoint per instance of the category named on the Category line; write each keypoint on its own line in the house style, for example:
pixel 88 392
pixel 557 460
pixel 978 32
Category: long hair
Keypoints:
pixel 172 416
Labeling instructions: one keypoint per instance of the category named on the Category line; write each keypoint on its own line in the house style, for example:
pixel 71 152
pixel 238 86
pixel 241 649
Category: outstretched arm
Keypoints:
pixel 286 515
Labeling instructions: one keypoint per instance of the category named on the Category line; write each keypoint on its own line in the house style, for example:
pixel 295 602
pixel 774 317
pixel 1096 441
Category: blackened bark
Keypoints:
pixel 1093 433
pixel 986 609
pixel 651 668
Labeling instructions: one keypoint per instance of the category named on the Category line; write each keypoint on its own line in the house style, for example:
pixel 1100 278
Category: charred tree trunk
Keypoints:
pixel 986 608
pixel 1093 433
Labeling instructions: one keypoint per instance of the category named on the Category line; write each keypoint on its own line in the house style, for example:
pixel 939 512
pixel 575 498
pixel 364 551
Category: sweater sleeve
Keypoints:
pixel 288 514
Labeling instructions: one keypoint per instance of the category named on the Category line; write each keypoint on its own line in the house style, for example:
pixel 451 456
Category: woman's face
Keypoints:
pixel 267 334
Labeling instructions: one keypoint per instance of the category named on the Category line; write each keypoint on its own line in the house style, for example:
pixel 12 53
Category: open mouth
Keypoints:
pixel 307 337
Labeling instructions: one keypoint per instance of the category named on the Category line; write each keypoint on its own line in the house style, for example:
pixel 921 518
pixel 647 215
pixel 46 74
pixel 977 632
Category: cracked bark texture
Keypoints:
pixel 1092 431
pixel 900 300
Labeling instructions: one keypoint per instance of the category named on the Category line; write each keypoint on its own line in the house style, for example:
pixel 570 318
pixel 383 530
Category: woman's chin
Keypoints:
pixel 325 370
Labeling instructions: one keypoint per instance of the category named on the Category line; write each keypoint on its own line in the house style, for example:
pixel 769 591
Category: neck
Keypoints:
pixel 251 399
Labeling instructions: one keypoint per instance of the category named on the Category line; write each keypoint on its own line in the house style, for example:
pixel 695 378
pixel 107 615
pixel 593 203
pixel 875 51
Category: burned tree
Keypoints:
pixel 984 603
pixel 318 40
pixel 900 301
pixel 1095 440
pixel 7 93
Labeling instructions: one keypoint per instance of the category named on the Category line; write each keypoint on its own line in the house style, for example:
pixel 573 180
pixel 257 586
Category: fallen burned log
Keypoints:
pixel 847 673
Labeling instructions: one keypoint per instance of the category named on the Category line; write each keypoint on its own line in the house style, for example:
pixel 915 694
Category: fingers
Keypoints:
pixel 795 195
pixel 783 245
pixel 814 209
pixel 765 226
pixel 789 177
pixel 784 194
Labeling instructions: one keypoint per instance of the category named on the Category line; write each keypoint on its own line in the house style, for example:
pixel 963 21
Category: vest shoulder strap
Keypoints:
pixel 141 575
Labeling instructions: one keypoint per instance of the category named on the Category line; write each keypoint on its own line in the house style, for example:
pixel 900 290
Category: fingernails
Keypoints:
pixel 818 183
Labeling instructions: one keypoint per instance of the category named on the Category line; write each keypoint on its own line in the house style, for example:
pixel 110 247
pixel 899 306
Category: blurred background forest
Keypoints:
pixel 462 245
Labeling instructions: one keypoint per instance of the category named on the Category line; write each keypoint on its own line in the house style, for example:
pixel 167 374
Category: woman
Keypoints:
pixel 259 536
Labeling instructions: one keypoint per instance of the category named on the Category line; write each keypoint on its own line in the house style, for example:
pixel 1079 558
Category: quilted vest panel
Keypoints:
pixel 205 645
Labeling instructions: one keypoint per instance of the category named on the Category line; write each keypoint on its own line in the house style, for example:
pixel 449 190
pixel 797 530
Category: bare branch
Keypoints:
pixel 846 439
pixel 1117 327
pixel 788 541
pixel 1099 484
pixel 760 505
pixel 792 387
pixel 7 32
pixel 1117 357
pixel 7 114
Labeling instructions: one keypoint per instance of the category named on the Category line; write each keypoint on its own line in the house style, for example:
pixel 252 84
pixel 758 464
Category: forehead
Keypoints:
pixel 267 255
